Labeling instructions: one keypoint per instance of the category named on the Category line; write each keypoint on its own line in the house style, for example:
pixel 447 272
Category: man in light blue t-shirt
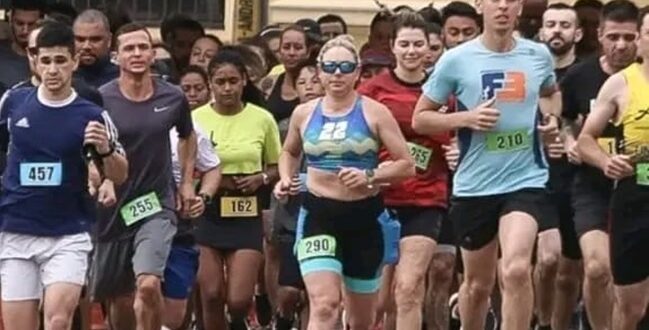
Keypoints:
pixel 499 82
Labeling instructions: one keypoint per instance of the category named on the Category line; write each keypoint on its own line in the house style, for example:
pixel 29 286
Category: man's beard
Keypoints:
pixel 563 49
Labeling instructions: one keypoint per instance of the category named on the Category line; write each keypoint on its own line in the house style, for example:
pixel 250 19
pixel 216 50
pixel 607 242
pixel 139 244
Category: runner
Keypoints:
pixel 182 264
pixel 435 46
pixel 46 210
pixel 339 234
pixel 460 24
pixel 560 31
pixel 93 40
pixel 282 99
pixel 623 100
pixel 290 299
pixel 281 95
pixel 419 203
pixel 499 184
pixel 79 85
pixel 135 235
pixel 203 50
pixel 591 190
pixel 230 236
pixel 195 85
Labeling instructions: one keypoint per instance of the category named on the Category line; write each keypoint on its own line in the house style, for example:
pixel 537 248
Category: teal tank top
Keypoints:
pixel 343 141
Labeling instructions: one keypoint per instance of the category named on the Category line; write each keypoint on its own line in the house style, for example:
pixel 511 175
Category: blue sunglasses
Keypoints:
pixel 346 67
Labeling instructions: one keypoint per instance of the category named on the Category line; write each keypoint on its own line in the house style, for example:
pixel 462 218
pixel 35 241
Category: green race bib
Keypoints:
pixel 140 208
pixel 316 246
pixel 420 154
pixel 642 174
pixel 508 141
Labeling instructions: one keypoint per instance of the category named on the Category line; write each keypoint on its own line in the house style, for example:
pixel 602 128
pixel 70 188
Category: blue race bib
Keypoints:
pixel 40 174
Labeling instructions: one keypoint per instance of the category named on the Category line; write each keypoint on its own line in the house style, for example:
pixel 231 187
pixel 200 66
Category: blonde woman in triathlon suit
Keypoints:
pixel 340 239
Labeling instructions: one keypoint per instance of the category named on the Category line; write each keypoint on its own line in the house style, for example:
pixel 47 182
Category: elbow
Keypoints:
pixel 408 168
pixel 581 140
pixel 416 125
pixel 410 172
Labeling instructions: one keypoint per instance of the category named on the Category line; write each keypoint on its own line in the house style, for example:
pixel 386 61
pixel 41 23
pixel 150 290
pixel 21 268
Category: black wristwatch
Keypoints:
pixel 207 199
pixel 111 145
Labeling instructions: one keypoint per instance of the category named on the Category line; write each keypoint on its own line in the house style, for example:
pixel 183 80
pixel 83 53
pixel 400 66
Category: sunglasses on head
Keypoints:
pixel 345 67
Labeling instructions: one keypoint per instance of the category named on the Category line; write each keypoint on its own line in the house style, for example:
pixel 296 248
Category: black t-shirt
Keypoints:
pixel 561 171
pixel 144 133
pixel 280 108
pixel 579 89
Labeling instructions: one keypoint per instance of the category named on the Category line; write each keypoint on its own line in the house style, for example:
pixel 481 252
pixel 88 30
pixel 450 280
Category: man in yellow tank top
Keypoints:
pixel 624 100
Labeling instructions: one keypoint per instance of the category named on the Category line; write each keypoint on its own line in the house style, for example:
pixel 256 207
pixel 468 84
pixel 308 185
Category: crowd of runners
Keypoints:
pixel 469 167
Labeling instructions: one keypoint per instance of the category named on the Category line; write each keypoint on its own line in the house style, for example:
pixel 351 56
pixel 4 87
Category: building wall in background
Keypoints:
pixel 357 13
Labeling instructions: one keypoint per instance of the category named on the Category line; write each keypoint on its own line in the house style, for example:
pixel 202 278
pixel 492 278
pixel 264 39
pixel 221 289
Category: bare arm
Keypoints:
pixel 391 137
pixel 187 158
pixel 289 158
pixel 103 136
pixel 550 101
pixel 211 181
pixel 427 119
pixel 116 168
pixel 605 109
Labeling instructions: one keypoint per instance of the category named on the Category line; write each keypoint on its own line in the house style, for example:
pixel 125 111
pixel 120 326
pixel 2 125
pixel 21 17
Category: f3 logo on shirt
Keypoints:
pixel 506 86
pixel 333 131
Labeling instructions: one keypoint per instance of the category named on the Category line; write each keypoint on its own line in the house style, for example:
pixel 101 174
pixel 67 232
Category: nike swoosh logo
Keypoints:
pixel 161 109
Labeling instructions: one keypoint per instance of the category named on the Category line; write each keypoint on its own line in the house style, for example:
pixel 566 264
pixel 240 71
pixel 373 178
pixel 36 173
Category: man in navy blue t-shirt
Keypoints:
pixel 45 208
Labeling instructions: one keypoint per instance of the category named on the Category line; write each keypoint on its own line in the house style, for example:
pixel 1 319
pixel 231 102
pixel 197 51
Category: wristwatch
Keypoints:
pixel 265 178
pixel 111 149
pixel 369 175
pixel 207 199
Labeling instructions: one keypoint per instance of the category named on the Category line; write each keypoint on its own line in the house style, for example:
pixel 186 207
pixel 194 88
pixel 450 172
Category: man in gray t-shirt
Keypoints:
pixel 134 236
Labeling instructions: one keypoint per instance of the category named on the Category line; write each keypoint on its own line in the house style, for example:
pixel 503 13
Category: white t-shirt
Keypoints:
pixel 206 158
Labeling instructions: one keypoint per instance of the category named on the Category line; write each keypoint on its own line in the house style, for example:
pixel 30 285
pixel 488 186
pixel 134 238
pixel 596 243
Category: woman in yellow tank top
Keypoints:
pixel 246 138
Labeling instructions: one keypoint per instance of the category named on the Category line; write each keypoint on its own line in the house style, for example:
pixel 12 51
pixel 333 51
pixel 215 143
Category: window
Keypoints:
pixel 207 12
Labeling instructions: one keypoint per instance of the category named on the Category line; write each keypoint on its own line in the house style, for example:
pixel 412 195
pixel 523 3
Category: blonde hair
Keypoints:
pixel 345 41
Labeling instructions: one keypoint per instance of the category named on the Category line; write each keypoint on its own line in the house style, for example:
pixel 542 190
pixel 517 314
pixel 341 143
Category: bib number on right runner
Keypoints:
pixel 420 154
pixel 316 246
pixel 642 174
pixel 608 145
pixel 508 141
pixel 140 208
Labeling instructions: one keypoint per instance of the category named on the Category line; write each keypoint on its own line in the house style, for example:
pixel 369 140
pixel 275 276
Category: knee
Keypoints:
pixel 479 289
pixel 547 263
pixel 212 294
pixel 443 270
pixel 324 307
pixel 288 299
pixel 358 323
pixel 408 293
pixel 567 281
pixel 516 274
pixel 238 306
pixel 597 272
pixel 148 288
pixel 59 321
